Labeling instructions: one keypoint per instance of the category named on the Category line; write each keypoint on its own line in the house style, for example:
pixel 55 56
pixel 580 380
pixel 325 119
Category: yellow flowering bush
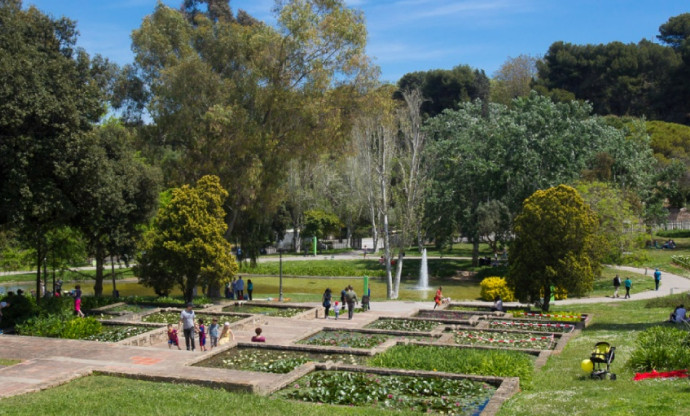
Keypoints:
pixel 496 286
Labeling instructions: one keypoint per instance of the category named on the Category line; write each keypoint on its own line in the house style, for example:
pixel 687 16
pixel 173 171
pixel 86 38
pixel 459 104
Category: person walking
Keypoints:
pixel 187 324
pixel 351 298
pixel 657 278
pixel 77 301
pixel 438 297
pixel 250 289
pixel 326 301
pixel 240 288
pixel 616 285
pixel 628 286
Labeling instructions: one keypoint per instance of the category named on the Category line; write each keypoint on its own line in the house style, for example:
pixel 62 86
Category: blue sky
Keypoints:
pixel 415 35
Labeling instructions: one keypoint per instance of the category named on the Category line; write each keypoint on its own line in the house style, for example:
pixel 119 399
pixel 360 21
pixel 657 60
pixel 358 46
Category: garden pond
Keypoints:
pixel 274 361
pixel 396 392
pixel 116 333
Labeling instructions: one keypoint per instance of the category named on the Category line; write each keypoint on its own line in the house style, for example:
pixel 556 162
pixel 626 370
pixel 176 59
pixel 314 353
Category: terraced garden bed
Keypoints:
pixel 274 361
pixel 265 310
pixel 346 339
pixel 116 333
pixel 504 339
pixel 412 325
pixel 173 317
pixel 532 326
pixel 396 392
pixel 559 316
pixel 446 314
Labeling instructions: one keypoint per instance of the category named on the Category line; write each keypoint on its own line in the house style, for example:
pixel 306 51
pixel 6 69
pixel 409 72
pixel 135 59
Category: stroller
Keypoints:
pixel 603 354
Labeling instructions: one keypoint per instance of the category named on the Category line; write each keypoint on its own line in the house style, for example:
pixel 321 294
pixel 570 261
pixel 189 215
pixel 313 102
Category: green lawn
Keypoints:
pixel 604 285
pixel 311 289
pixel 562 388
pixel 103 396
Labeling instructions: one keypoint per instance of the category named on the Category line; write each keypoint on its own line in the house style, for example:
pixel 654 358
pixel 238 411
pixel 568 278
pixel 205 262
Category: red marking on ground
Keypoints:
pixel 145 360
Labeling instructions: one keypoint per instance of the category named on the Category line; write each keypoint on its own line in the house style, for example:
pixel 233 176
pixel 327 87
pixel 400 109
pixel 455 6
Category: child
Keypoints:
pixel 202 335
pixel 226 335
pixel 172 337
pixel 258 337
pixel 213 332
pixel 77 301
pixel 336 309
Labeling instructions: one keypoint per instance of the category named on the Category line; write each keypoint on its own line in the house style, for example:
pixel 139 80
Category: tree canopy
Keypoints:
pixel 555 245
pixel 186 245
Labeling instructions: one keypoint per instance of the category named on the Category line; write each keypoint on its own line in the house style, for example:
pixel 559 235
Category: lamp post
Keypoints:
pixel 280 274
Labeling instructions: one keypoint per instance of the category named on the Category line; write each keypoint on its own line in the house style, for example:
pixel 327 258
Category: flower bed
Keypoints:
pixel 504 339
pixel 115 333
pixel 273 361
pixel 403 325
pixel 417 394
pixel 446 314
pixel 172 317
pixel 345 339
pixel 559 316
pixel 264 310
pixel 532 326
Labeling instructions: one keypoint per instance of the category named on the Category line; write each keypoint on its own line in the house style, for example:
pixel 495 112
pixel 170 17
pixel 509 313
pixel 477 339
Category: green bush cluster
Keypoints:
pixel 496 286
pixel 661 348
pixel 674 233
pixel 499 363
pixel 682 261
pixel 60 326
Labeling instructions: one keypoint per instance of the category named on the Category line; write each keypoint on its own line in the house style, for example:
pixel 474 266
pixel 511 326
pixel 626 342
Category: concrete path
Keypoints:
pixel 670 284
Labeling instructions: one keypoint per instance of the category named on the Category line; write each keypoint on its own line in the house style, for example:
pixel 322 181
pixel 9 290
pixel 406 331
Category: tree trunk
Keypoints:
pixel 374 230
pixel 398 273
pixel 547 298
pixel 475 250
pixel 39 258
pixel 112 273
pixel 296 240
pixel 98 286
pixel 214 290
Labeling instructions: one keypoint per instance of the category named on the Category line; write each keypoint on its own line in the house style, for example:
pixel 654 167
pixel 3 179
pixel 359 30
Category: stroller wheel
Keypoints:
pixel 612 376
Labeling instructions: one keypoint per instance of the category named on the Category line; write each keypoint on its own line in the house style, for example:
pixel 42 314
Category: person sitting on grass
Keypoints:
pixel 258 337
pixel 679 315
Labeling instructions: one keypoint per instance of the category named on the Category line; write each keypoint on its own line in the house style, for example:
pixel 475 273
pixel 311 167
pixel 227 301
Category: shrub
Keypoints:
pixel 496 286
pixel 60 326
pixel 661 348
pixel 682 261
pixel 21 308
pixel 674 233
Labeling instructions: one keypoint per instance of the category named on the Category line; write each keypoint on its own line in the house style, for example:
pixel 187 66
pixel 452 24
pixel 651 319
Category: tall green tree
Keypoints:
pixel 186 245
pixel 442 88
pixel 51 94
pixel 115 194
pixel 263 95
pixel 554 246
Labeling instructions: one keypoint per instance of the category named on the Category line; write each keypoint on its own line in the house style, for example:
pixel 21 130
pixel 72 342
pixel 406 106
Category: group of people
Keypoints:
pixel 191 327
pixel 347 297
pixel 235 289
pixel 627 283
